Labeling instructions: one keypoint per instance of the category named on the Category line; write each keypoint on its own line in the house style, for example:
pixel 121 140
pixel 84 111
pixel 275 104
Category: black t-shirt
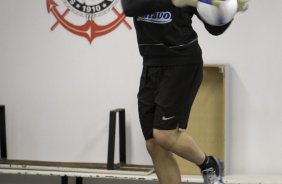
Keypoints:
pixel 164 32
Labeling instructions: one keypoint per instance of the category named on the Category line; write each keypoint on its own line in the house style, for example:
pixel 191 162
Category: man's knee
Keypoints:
pixel 165 138
pixel 152 147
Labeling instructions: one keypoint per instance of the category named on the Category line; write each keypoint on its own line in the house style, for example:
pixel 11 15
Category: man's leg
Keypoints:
pixel 184 145
pixel 180 143
pixel 165 164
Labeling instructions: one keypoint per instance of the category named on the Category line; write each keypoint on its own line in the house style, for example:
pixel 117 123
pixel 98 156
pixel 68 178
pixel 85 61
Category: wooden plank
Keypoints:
pixel 206 123
pixel 75 167
pixel 129 177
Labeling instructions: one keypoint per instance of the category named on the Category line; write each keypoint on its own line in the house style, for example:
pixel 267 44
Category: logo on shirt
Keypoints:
pixel 156 18
pixel 84 17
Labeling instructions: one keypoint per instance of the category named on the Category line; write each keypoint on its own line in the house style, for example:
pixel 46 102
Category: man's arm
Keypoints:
pixel 218 30
pixel 214 30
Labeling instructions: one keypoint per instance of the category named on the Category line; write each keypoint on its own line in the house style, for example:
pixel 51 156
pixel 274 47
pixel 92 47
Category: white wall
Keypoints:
pixel 252 46
pixel 58 89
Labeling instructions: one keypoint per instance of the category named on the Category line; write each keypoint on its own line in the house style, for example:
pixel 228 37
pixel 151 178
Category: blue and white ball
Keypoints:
pixel 217 16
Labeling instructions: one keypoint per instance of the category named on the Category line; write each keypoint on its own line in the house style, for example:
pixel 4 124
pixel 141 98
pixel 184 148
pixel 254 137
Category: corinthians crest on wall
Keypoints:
pixel 90 14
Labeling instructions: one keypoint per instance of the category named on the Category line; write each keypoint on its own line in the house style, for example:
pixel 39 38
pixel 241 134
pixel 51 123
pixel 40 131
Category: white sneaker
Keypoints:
pixel 213 175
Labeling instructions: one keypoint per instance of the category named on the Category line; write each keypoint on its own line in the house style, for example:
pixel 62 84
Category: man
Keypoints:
pixel 171 77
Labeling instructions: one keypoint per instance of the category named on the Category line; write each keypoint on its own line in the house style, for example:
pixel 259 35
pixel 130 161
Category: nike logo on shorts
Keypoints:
pixel 167 118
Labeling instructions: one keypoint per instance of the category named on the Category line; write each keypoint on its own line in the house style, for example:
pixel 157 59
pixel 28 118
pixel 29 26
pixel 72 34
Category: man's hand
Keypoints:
pixel 183 3
pixel 242 5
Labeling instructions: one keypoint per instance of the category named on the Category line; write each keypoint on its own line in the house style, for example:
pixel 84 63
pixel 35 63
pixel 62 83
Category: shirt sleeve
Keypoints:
pixel 133 8
pixel 214 30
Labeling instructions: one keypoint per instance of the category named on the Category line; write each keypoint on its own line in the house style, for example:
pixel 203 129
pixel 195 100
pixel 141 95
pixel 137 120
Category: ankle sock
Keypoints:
pixel 208 163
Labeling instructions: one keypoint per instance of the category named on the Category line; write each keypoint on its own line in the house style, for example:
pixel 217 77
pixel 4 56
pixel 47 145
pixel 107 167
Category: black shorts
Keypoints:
pixel 166 95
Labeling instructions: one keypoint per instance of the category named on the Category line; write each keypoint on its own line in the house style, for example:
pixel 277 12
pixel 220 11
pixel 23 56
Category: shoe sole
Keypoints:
pixel 220 168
